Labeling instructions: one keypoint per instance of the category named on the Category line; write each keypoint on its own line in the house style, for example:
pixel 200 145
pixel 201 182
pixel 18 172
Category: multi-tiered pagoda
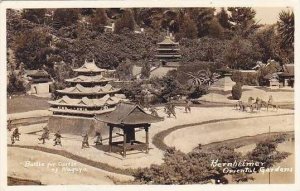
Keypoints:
pixel 90 93
pixel 168 50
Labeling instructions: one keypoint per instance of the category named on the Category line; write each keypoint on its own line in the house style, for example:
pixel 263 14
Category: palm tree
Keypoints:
pixel 286 28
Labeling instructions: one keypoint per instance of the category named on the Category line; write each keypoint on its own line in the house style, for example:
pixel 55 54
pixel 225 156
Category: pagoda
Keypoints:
pixel 90 93
pixel 168 51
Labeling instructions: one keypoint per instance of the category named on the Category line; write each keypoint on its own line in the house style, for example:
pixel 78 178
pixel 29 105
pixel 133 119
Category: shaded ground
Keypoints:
pixel 54 169
pixel 26 103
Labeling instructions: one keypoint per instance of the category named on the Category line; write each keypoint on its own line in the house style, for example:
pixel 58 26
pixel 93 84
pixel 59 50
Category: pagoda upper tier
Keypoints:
pixel 168 50
pixel 89 68
pixel 89 91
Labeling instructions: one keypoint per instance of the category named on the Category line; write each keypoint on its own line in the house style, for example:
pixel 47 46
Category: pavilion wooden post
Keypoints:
pixel 124 142
pixel 147 138
pixel 110 137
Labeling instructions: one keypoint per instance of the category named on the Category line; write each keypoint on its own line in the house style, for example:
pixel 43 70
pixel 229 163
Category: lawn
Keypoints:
pixel 26 103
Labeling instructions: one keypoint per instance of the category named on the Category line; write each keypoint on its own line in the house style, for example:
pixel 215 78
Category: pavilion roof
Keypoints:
pixel 288 70
pixel 89 79
pixel 79 89
pixel 128 113
pixel 168 41
pixel 89 67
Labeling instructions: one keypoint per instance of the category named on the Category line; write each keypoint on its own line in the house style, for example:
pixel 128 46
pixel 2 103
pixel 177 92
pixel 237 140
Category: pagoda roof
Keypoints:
pixel 128 113
pixel 86 102
pixel 36 73
pixel 288 70
pixel 89 67
pixel 96 90
pixel 88 79
pixel 168 41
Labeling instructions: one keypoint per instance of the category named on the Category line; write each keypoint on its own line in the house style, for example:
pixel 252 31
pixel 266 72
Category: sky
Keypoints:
pixel 268 15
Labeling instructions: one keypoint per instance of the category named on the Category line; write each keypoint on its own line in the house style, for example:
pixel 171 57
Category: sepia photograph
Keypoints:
pixel 150 95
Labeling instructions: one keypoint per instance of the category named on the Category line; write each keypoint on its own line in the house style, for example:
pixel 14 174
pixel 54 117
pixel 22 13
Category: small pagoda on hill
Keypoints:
pixel 90 93
pixel 168 51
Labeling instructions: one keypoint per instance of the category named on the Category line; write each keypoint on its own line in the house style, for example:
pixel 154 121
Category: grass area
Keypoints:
pixel 26 103
pixel 246 140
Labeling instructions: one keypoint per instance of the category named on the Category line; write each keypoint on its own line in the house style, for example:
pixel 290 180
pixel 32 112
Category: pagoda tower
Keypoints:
pixel 168 51
pixel 90 94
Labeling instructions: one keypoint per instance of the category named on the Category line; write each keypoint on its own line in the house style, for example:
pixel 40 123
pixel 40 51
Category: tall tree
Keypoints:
pixel 243 20
pixel 98 20
pixel 223 18
pixel 286 28
pixel 188 28
pixel 202 17
pixel 125 22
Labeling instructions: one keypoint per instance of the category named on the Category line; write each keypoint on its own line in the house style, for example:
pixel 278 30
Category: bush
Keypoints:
pixel 15 84
pixel 236 91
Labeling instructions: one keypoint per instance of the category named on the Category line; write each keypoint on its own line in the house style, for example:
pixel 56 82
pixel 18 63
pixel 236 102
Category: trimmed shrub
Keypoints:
pixel 236 91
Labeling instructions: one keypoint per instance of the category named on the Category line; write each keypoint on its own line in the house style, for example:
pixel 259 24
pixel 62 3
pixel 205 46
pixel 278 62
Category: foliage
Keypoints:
pixel 32 48
pixel 242 54
pixel 236 91
pixel 202 17
pixel 192 168
pixel 215 29
pixel 250 79
pixel 188 28
pixel 198 91
pixel 223 19
pixel 124 70
pixel 170 88
pixel 237 77
pixel 34 15
pixel 16 84
pixel 243 20
pixel 286 28
pixel 65 17
pixel 270 69
pixel 125 22
pixel 145 72
pixel 266 152
pixel 98 20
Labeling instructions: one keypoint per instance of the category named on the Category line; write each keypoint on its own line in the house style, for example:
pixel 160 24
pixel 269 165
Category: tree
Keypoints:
pixel 98 20
pixel 266 39
pixel 145 72
pixel 223 19
pixel 243 20
pixel 124 70
pixel 65 17
pixel 286 28
pixel 188 28
pixel 215 29
pixel 34 15
pixel 202 17
pixel 15 84
pixel 125 22
pixel 242 54
pixel 32 48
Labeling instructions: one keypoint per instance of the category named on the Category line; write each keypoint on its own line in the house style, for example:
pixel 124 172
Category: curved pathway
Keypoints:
pixel 159 138
pixel 99 159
